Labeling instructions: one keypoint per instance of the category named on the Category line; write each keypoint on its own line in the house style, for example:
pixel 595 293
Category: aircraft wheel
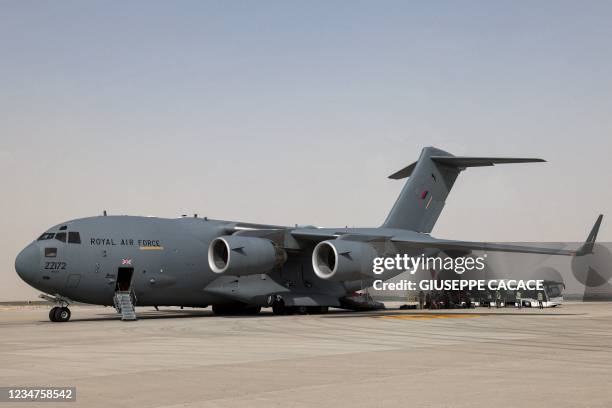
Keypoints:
pixel 52 313
pixel 62 314
pixel 301 310
pixel 323 309
pixel 253 310
pixel 219 309
pixel 232 310
pixel 278 308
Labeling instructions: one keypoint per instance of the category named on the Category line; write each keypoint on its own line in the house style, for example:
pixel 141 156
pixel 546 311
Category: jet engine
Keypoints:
pixel 236 255
pixel 340 260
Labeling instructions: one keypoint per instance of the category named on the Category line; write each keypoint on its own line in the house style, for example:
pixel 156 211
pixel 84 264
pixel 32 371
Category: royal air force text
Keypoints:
pixel 125 242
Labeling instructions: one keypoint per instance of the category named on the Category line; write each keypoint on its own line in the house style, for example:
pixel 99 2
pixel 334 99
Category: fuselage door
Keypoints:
pixel 124 279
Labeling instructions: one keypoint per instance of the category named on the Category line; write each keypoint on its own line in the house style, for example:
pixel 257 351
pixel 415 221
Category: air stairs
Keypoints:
pixel 124 305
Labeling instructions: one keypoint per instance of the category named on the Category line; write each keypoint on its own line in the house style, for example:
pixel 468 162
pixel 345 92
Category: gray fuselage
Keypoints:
pixel 168 258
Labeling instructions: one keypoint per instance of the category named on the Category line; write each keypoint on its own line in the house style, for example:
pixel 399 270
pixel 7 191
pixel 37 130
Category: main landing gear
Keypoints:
pixel 59 314
pixel 235 309
pixel 279 308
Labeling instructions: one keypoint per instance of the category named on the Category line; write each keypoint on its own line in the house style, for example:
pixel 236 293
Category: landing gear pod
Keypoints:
pixel 340 260
pixel 239 256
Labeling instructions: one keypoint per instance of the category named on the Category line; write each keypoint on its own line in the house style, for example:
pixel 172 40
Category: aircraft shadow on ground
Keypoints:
pixel 169 314
pixel 186 314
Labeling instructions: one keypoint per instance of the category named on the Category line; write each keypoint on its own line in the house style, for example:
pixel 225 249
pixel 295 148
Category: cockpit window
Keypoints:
pixel 61 236
pixel 74 237
pixel 46 235
pixel 50 252
pixel 63 228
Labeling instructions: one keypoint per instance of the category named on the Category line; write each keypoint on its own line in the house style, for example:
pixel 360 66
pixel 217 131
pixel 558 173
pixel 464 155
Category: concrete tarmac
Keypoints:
pixel 483 357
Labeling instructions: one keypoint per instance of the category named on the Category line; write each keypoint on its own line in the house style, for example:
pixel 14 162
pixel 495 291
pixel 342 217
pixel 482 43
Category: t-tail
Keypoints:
pixel 432 177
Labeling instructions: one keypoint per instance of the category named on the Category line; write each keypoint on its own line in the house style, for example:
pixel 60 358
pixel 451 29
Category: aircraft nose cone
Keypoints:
pixel 27 262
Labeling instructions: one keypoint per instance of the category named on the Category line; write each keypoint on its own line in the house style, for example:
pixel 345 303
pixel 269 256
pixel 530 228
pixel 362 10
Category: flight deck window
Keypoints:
pixel 61 236
pixel 45 236
pixel 50 252
pixel 74 237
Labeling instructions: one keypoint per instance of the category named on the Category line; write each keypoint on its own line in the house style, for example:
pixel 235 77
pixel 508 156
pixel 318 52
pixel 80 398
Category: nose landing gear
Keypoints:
pixel 59 314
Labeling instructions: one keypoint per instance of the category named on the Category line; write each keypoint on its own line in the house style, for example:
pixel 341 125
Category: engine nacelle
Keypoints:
pixel 236 255
pixel 340 260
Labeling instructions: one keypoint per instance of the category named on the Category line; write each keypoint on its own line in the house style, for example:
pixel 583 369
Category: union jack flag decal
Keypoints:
pixel 126 261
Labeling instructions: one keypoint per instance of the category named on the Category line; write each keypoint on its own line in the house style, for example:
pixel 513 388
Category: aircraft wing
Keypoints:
pixel 425 241
pixel 444 244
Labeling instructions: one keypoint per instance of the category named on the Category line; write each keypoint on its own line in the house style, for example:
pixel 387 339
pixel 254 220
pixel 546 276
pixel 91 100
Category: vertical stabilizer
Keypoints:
pixel 430 180
pixel 421 201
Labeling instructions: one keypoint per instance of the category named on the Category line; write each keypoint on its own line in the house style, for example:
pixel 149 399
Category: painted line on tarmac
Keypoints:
pixel 430 316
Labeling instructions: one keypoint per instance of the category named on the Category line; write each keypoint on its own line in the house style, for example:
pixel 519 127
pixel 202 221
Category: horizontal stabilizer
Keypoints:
pixel 463 162
pixel 481 161
pixel 403 173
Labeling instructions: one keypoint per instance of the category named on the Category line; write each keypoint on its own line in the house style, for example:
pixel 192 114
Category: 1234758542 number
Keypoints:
pixel 14 394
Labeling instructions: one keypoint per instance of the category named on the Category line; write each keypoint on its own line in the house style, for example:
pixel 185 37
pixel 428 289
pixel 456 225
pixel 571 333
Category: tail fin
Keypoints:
pixel 431 178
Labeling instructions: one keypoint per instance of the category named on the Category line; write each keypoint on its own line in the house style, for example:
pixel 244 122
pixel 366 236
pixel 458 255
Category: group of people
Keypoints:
pixel 445 300
pixel 501 298
pixel 464 299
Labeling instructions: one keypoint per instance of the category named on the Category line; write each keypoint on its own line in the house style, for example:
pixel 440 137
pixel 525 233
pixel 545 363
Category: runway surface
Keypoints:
pixel 479 358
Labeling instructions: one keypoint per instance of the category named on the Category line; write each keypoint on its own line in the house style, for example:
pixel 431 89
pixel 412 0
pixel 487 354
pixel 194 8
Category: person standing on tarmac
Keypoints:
pixel 519 302
pixel 498 297
pixel 489 298
pixel 540 300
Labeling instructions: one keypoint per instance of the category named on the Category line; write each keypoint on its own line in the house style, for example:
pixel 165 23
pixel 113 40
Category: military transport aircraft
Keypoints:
pixel 240 267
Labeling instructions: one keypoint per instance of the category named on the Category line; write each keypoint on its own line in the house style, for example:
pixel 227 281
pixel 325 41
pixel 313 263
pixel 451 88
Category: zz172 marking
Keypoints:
pixel 55 265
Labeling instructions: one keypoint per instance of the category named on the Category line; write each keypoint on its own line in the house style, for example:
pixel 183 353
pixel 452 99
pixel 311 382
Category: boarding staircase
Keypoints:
pixel 124 305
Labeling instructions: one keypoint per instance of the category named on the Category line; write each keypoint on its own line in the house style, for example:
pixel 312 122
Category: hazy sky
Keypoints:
pixel 296 112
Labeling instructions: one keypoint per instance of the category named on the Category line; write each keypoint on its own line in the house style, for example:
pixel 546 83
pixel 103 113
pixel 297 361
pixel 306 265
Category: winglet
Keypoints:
pixel 587 247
